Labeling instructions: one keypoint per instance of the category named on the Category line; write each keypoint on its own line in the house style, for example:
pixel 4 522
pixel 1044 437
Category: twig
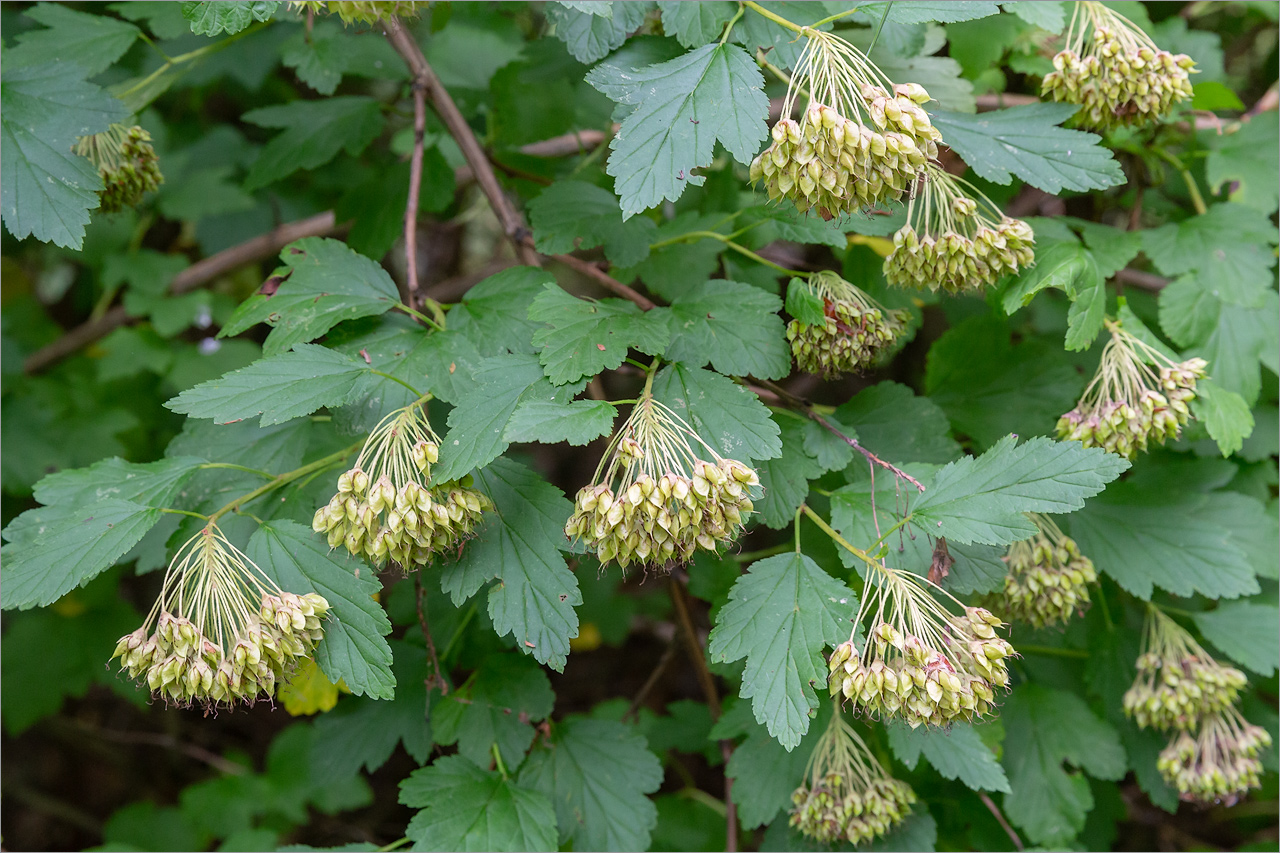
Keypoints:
pixel 609 282
pixel 807 408
pixel 411 206
pixel 169 742
pixel 995 810
pixel 436 677
pixel 577 142
pixel 197 275
pixel 1141 280
pixel 667 654
pixel 708 684
pixel 512 223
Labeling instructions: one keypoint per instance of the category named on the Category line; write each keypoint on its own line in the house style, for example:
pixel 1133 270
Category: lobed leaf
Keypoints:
pixel 584 337
pixel 733 326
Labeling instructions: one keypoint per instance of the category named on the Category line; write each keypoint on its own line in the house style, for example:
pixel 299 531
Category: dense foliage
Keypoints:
pixel 589 425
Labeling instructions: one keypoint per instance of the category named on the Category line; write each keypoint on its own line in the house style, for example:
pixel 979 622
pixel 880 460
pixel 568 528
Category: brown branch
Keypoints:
pixel 807 407
pixel 411 206
pixel 169 742
pixel 995 810
pixel 1141 280
pixel 707 681
pixel 577 142
pixel 197 275
pixel 436 677
pixel 667 654
pixel 512 223
pixel 607 281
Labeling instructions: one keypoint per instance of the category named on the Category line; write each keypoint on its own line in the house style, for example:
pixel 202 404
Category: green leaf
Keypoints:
pixel 1111 247
pixel 494 314
pixel 1226 247
pixel 989 388
pixel 1027 142
pixel 957 753
pixel 785 478
pixel 319 57
pixel 148 483
pixel 478 424
pixel 571 215
pixel 583 337
pixel 1224 414
pixel 1044 728
pixel 466 808
pixel 594 34
pixel 579 422
pixel 93 42
pixel 326 283
pixel 495 706
pixel 314 133
pixel 695 24
pixel 683 107
pixel 1244 339
pixel 781 614
pixel 672 269
pixel 929 11
pixel 1175 540
pixel 1072 269
pixel 364 732
pixel 519 546
pixel 279 388
pixel 1244 630
pixel 1188 311
pixel 597 772
pixel 896 425
pixel 209 19
pixel 728 417
pixel 1051 16
pixel 46 191
pixel 804 304
pixel 56 558
pixel 985 498
pixel 1244 164
pixel 733 326
pixel 353 648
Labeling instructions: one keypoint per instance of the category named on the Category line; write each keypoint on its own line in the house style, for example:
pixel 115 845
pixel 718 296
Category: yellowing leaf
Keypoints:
pixel 308 691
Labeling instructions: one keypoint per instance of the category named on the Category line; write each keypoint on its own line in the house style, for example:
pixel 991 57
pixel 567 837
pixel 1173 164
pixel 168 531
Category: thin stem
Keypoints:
pixel 497 761
pixel 231 466
pixel 436 677
pixel 777 19
pixel 729 243
pixel 1000 818
pixel 415 179
pixel 285 479
pixel 837 538
pixel 830 18
pixel 436 323
pixel 190 55
pixel 394 845
pixel 884 16
pixel 728 28
pixel 1197 200
pixel 184 512
pixel 752 556
pixel 400 381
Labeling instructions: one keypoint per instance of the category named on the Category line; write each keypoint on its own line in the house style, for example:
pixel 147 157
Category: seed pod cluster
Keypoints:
pixel 225 633
pixel 1177 690
pixel 1219 764
pixel 955 242
pixel 1128 406
pixel 846 794
pixel 126 162
pixel 834 165
pixel 360 11
pixel 905 676
pixel 393 511
pixel 1048 580
pixel 653 501
pixel 855 332
pixel 832 812
pixel 1115 72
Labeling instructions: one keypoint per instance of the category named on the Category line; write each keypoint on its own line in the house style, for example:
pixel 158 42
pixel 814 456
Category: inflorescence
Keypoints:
pixel 920 663
pixel 847 795
pixel 224 631
pixel 855 332
pixel 387 508
pixel 126 162
pixel 1048 580
pixel 1115 71
pixel 1218 764
pixel 860 141
pixel 1129 404
pixel 660 493
pixel 955 241
pixel 1179 683
pixel 360 11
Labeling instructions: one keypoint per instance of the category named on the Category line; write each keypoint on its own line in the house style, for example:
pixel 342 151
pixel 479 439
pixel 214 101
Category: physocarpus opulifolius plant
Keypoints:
pixel 920 663
pixel 224 632
pixel 860 141
pixel 1218 764
pixel 956 239
pixel 846 794
pixel 1115 71
pixel 1048 580
pixel 855 329
pixel 1139 395
pixel 388 508
pixel 661 493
